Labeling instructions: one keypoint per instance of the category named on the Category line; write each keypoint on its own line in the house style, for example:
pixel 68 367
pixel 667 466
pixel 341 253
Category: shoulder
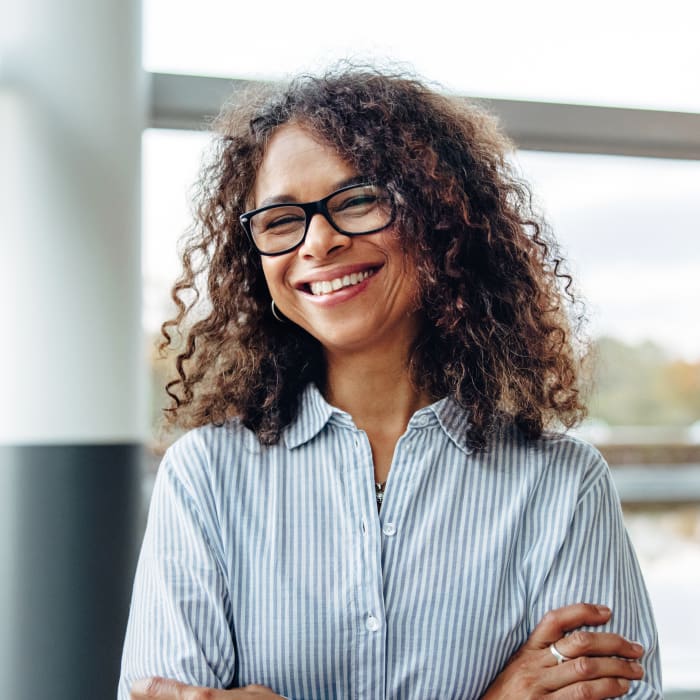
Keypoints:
pixel 551 449
pixel 203 453
pixel 213 438
pixel 570 455
pixel 568 452
pixel 557 465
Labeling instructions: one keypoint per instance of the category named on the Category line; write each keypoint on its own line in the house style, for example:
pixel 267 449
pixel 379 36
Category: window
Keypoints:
pixel 623 53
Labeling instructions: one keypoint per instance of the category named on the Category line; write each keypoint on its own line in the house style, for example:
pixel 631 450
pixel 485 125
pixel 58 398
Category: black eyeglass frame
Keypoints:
pixel 310 210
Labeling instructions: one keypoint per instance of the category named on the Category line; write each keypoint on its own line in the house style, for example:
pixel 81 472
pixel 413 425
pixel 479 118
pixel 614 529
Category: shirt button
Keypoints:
pixel 356 440
pixel 389 529
pixel 421 421
pixel 372 624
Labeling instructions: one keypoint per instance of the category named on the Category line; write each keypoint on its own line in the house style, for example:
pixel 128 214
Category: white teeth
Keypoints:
pixel 328 286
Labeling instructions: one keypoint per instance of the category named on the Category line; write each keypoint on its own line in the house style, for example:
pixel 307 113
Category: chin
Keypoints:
pixel 342 340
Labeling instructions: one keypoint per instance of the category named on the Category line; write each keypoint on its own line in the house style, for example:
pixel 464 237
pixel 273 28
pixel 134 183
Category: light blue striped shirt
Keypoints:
pixel 271 565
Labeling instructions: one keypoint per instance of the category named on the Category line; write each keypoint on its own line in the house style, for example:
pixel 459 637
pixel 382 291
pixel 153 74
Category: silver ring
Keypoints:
pixel 558 655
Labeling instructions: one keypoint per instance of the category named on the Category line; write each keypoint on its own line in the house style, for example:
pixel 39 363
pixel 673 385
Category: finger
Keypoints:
pixel 556 623
pixel 585 643
pixel 587 668
pixel 158 688
pixel 593 690
pixel 262 691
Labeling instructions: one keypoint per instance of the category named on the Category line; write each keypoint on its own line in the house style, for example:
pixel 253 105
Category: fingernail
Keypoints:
pixel 603 609
pixel 638 648
pixel 637 668
pixel 623 683
pixel 140 686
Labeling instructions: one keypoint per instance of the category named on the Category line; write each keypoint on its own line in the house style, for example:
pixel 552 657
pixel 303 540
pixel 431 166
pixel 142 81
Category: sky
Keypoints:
pixel 630 226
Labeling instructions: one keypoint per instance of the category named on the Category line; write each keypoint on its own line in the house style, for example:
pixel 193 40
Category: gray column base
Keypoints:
pixel 68 544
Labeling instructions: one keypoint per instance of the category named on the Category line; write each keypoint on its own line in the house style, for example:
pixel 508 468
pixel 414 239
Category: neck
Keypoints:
pixel 375 389
pixel 372 384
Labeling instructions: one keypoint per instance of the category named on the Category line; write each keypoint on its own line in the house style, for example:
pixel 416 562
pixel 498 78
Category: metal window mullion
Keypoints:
pixel 191 102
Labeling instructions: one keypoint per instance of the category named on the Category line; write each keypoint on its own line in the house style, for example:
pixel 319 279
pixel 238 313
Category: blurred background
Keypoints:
pixel 104 111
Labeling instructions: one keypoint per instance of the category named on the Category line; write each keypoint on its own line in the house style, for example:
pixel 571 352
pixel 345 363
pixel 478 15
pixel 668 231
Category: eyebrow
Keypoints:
pixel 290 199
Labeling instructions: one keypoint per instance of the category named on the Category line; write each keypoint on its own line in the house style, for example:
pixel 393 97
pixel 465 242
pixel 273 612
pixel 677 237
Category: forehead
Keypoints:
pixel 299 165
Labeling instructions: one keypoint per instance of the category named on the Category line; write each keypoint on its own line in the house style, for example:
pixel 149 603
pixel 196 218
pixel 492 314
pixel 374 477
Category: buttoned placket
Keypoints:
pixel 400 481
pixel 377 534
pixel 405 474
pixel 370 676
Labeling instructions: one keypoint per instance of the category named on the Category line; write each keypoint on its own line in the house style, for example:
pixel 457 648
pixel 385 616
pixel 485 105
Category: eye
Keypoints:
pixel 355 202
pixel 282 221
pixel 364 200
pixel 278 221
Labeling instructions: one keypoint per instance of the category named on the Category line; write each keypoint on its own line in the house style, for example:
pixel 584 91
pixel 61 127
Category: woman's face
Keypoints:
pixel 379 311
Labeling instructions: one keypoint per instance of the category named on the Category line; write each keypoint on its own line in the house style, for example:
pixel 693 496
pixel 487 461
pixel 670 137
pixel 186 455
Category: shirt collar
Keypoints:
pixel 315 412
pixel 453 419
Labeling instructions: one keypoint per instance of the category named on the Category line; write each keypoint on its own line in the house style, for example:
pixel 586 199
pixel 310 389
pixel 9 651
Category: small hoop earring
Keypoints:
pixel 276 313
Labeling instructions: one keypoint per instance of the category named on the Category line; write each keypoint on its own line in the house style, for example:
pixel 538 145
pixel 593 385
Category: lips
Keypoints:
pixel 328 286
pixel 334 280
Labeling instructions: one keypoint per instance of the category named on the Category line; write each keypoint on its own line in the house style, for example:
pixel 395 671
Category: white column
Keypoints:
pixel 71 115
pixel 72 383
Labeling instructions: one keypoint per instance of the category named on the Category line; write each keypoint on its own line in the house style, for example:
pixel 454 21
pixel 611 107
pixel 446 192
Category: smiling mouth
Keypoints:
pixel 330 286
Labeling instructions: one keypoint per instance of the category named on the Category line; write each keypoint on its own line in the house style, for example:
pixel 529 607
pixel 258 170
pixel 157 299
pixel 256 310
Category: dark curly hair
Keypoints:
pixel 501 329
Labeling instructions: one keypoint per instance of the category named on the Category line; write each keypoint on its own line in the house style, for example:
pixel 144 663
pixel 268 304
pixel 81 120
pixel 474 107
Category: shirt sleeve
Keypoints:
pixel 179 622
pixel 595 563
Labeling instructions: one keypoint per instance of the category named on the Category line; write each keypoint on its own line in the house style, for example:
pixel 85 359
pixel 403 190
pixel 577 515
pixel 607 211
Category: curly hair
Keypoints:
pixel 501 325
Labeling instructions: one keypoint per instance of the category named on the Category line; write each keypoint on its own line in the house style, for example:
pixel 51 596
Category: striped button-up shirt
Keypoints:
pixel 271 565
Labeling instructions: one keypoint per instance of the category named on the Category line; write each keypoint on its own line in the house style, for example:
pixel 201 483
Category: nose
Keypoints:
pixel 322 239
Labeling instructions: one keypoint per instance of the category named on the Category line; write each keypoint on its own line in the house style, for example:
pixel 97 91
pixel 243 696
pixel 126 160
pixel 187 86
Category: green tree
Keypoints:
pixel 640 385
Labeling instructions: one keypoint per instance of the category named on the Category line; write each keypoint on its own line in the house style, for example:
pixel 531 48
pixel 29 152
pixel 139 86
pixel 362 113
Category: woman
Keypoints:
pixel 369 504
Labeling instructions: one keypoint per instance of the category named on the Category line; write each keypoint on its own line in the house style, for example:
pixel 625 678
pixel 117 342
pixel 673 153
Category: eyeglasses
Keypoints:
pixel 353 211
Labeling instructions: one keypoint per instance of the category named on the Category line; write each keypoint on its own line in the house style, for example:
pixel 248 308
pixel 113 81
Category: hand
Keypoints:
pixel 593 670
pixel 166 689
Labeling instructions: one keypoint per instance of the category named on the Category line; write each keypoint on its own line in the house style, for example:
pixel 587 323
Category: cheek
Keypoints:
pixel 409 269
pixel 273 270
